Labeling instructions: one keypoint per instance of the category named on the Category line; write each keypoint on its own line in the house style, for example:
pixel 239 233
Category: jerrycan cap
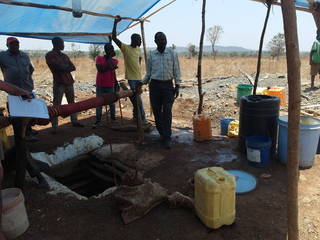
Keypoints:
pixel 245 182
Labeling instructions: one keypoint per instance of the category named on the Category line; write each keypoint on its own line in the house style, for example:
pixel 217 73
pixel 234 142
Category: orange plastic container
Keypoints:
pixel 201 128
pixel 278 92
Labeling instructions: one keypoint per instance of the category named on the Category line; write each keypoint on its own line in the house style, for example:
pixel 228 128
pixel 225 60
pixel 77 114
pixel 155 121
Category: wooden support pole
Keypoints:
pixel 145 54
pixel 144 43
pixel 203 29
pixel 268 3
pixel 314 8
pixel 294 82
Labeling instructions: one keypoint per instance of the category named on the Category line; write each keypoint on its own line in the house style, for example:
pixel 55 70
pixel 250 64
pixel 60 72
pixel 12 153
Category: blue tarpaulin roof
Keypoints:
pixel 46 23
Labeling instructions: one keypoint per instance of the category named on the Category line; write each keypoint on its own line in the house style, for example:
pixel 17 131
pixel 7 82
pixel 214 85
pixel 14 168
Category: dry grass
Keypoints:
pixel 220 67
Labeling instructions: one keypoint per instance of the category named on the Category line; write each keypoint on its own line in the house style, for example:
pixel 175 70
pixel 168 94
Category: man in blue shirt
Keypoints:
pixel 162 68
pixel 17 70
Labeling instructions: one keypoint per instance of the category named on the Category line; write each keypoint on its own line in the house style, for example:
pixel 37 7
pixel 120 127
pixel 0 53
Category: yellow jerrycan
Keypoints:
pixel 215 196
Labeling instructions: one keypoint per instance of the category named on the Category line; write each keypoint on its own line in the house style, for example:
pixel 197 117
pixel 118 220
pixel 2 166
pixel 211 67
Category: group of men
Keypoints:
pixel 162 75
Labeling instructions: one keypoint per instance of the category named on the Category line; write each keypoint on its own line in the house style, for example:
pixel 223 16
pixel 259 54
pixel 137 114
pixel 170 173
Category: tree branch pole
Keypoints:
pixel 145 53
pixel 294 82
pixel 315 10
pixel 268 3
pixel 200 57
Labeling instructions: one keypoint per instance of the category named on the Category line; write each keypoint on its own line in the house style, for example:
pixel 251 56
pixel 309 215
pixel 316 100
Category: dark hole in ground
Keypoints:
pixel 89 178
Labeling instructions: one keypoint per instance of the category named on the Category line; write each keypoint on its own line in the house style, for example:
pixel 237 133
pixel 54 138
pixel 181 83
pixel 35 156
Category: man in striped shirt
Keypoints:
pixel 162 69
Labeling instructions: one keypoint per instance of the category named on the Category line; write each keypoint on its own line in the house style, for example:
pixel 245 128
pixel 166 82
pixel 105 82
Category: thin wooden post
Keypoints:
pixel 144 43
pixel 268 3
pixel 200 57
pixel 145 55
pixel 294 82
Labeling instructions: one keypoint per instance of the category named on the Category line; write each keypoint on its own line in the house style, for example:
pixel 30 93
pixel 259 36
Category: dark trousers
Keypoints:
pixel 58 90
pixel 162 98
pixel 22 156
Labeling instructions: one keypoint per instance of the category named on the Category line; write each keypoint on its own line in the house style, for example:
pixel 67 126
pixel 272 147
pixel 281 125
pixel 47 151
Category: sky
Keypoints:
pixel 241 20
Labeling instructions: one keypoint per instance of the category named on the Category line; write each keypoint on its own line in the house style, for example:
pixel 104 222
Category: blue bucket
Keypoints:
pixel 258 150
pixel 224 123
pixel 309 138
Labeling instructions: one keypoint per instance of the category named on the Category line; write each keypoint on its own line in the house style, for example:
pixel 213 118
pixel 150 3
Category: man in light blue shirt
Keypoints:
pixel 162 69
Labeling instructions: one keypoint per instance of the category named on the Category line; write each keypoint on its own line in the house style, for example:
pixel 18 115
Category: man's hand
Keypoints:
pixel 20 92
pixel 117 19
pixel 176 91
pixel 139 87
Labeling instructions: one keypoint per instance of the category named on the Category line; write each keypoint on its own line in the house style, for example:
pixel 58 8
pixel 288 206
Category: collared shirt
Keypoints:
pixel 107 78
pixel 60 66
pixel 163 66
pixel 131 57
pixel 17 69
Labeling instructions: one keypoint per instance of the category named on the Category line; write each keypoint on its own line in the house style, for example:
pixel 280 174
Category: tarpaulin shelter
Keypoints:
pixel 46 19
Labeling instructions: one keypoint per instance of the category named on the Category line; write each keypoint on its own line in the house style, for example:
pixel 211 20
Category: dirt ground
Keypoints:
pixel 260 214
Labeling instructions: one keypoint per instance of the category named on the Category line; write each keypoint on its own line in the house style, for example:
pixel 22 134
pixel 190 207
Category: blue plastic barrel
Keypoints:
pixel 258 150
pixel 309 138
pixel 224 123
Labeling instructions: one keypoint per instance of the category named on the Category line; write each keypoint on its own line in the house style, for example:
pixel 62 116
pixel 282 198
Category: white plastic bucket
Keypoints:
pixel 309 137
pixel 14 216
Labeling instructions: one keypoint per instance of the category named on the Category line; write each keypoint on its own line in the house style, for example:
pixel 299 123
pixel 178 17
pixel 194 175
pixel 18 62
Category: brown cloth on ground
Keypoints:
pixel 177 200
pixel 135 202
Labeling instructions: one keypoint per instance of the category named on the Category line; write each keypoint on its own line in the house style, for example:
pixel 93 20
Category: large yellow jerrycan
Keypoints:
pixel 215 196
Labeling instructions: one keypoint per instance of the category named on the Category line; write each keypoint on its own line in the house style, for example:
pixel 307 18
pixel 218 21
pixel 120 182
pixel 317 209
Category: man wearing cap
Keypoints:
pixel 61 68
pixel 17 70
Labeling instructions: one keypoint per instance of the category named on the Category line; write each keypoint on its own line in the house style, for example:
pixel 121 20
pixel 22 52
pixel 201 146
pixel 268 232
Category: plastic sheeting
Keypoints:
pixel 30 21
pixel 303 3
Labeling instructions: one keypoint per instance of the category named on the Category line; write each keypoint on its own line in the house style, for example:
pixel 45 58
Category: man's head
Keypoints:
pixel 135 40
pixel 109 50
pixel 13 45
pixel 58 43
pixel 161 40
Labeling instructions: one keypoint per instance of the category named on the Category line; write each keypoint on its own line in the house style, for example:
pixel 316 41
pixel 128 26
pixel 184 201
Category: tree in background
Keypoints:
pixel 192 50
pixel 95 50
pixel 75 51
pixel 277 45
pixel 173 46
pixel 213 35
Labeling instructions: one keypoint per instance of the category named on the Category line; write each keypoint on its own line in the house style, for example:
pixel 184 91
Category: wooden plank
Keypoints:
pixel 279 4
pixel 58 34
pixel 44 6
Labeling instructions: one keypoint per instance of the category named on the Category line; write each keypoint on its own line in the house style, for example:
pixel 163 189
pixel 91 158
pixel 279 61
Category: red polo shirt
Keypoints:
pixel 108 78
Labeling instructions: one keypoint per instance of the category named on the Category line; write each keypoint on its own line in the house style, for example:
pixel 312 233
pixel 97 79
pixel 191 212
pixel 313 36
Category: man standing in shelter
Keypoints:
pixel 106 80
pixel 162 68
pixel 132 61
pixel 315 59
pixel 61 68
pixel 17 70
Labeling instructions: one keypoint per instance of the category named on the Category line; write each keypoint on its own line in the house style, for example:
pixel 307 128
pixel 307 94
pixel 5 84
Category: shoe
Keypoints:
pixel 77 124
pixel 167 144
pixel 96 124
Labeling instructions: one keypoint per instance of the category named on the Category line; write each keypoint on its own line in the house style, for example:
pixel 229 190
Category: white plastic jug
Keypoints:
pixel 14 216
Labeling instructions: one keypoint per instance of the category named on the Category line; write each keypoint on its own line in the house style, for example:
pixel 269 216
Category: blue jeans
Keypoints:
pixel 100 91
pixel 133 86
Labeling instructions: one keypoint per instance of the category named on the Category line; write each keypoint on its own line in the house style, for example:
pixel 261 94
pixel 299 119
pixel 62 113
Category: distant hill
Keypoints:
pixel 207 48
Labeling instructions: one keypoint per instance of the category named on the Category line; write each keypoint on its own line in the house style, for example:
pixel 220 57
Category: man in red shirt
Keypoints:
pixel 61 68
pixel 106 80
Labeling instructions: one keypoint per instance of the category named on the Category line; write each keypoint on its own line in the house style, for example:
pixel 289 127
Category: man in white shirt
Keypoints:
pixel 162 69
